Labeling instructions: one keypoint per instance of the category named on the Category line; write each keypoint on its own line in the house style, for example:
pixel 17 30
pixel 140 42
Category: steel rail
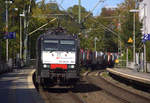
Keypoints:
pixel 117 96
pixel 105 90
pixel 52 96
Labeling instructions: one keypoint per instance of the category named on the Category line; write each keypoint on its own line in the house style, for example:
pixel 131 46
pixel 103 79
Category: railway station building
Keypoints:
pixel 144 13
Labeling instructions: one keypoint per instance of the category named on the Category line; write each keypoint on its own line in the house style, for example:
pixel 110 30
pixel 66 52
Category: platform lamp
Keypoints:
pixel 134 11
pixel 21 15
pixel 6 29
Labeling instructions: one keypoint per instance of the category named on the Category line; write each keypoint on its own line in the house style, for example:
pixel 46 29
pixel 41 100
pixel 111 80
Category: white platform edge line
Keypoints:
pixel 30 81
pixel 129 75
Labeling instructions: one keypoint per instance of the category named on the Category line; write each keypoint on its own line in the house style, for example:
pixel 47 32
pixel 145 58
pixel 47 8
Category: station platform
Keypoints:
pixel 131 74
pixel 17 87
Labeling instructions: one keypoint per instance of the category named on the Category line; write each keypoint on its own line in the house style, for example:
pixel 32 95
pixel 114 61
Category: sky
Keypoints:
pixel 89 4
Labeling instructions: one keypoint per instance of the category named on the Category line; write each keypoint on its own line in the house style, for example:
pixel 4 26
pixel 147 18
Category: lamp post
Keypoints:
pixel 95 39
pixel 144 64
pixel 7 2
pixel 134 11
pixel 21 15
pixel 79 11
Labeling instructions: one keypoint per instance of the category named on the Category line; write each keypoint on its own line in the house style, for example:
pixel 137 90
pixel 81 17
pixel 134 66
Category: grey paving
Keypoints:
pixel 14 88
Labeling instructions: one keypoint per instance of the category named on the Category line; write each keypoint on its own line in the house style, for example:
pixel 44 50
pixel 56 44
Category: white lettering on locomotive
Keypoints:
pixel 58 57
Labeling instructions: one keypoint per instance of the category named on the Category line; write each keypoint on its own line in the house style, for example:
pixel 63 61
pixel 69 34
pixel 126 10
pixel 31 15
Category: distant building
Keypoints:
pixel 144 14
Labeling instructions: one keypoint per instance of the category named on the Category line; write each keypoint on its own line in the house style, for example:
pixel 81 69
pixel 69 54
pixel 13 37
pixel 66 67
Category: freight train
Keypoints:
pixel 57 58
pixel 97 59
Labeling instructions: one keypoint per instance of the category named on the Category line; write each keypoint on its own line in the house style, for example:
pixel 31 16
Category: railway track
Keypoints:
pixel 113 90
pixel 59 95
pixel 94 84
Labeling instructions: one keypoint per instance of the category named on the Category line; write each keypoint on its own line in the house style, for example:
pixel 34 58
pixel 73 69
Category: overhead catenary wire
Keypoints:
pixel 94 8
pixel 41 26
pixel 50 20
pixel 48 15
pixel 60 5
pixel 105 27
pixel 64 9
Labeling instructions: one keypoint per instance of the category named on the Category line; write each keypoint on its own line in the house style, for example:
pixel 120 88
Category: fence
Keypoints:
pixel 131 65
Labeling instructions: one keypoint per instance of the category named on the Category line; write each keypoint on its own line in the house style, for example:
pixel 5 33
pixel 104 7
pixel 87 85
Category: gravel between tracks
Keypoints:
pixel 83 92
pixel 92 90
pixel 113 90
pixel 91 93
pixel 60 95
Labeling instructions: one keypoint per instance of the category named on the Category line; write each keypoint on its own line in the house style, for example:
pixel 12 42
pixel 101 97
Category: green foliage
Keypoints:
pixel 127 27
pixel 13 25
pixel 89 28
pixel 107 40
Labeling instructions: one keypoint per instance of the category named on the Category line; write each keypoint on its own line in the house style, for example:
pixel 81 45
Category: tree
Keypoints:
pixel 41 14
pixel 127 26
pixel 2 30
pixel 107 40
pixel 13 26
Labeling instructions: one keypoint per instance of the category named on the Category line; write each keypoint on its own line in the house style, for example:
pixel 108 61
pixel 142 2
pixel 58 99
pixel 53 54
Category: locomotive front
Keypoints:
pixel 58 58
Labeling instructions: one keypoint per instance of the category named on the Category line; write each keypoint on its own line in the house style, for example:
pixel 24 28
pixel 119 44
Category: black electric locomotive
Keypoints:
pixel 57 58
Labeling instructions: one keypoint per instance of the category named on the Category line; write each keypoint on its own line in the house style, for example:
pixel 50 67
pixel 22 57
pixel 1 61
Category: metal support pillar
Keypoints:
pixel 145 63
pixel 144 57
pixel 95 44
pixel 95 39
pixel 0 51
pixel 119 40
pixel 26 38
pixel 134 38
pixel 79 11
pixel 127 58
pixel 6 29
pixel 20 38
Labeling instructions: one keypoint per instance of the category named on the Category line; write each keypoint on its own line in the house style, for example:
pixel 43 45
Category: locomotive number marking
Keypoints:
pixel 57 57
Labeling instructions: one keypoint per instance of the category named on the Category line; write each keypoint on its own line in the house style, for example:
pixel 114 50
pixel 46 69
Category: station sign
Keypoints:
pixel 130 40
pixel 10 35
pixel 145 38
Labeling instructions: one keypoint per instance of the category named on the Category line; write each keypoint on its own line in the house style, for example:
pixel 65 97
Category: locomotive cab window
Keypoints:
pixel 50 45
pixel 67 42
pixel 67 45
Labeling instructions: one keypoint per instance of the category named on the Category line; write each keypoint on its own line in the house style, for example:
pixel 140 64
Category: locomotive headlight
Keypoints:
pixel 46 66
pixel 71 66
